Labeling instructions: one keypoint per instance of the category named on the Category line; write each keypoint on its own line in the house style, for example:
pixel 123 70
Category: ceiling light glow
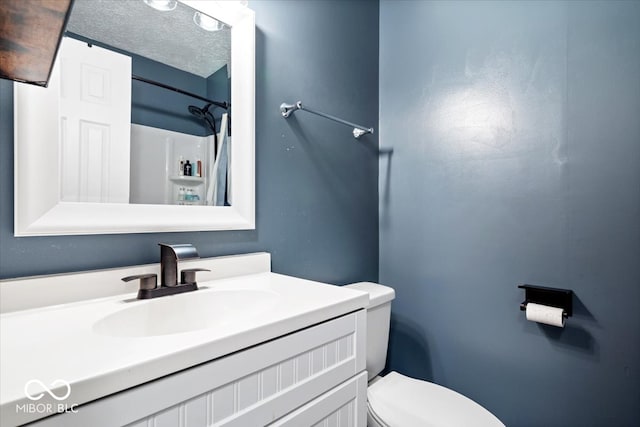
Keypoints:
pixel 162 5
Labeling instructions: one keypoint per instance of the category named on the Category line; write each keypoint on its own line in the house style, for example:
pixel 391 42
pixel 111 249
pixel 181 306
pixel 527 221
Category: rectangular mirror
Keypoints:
pixel 139 101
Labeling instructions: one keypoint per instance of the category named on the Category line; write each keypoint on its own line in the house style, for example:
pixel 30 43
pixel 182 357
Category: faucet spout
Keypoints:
pixel 169 256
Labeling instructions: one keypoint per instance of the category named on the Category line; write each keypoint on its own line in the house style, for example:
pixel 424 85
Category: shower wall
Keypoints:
pixel 155 160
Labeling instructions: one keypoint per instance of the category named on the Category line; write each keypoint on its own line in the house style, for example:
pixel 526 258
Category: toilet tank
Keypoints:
pixel 378 319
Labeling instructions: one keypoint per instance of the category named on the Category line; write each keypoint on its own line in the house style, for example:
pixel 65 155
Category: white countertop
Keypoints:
pixel 61 342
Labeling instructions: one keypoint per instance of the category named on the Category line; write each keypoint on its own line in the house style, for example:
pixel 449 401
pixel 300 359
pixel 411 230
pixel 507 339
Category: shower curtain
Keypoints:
pixel 218 182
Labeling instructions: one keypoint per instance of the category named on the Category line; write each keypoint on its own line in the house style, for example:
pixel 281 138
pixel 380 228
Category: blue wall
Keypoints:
pixel 516 149
pixel 316 185
pixel 162 108
pixel 219 89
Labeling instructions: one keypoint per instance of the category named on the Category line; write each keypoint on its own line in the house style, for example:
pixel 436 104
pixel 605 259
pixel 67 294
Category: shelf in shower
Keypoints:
pixel 187 180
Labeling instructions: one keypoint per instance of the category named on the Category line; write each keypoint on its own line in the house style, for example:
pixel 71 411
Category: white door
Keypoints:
pixel 95 123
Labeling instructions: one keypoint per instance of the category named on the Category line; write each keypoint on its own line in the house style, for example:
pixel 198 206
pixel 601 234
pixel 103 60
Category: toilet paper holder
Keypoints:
pixel 553 297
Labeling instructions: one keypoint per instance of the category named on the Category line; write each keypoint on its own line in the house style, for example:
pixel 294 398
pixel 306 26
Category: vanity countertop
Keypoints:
pixel 68 342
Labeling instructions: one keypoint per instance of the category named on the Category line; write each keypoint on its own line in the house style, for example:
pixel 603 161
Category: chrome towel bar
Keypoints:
pixel 358 130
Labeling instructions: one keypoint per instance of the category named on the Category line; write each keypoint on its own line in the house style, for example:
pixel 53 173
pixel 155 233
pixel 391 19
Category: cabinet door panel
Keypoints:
pixel 343 406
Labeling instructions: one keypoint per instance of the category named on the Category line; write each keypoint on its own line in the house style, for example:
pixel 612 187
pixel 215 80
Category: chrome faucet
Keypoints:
pixel 169 285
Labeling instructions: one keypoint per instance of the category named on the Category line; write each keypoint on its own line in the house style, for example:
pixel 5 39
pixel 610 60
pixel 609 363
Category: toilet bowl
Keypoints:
pixel 396 400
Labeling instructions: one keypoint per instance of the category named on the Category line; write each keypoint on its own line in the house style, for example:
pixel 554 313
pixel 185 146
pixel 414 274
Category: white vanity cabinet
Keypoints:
pixel 249 348
pixel 314 376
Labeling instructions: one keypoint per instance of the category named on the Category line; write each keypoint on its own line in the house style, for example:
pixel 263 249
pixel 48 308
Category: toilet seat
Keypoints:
pixel 399 401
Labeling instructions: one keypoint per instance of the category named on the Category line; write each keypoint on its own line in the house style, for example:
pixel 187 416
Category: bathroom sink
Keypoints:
pixel 189 312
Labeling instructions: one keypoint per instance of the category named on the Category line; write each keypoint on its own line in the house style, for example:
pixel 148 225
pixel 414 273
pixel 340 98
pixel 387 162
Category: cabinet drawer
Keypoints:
pixel 252 387
pixel 342 406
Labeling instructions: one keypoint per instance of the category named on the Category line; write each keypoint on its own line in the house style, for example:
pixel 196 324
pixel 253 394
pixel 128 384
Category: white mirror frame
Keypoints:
pixel 37 207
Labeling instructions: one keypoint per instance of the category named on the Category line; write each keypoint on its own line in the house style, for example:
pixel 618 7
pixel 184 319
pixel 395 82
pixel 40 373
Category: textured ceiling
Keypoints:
pixel 168 37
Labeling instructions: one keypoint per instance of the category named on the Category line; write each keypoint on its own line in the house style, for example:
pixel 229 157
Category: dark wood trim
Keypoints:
pixel 30 34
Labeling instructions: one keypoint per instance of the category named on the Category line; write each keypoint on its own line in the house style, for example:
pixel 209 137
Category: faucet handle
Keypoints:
pixel 188 275
pixel 147 281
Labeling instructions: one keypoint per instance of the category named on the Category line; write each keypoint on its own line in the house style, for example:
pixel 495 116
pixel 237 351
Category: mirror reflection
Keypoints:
pixel 145 104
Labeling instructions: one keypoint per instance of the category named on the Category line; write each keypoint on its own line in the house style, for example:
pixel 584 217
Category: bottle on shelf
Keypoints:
pixel 187 168
pixel 181 194
pixel 181 166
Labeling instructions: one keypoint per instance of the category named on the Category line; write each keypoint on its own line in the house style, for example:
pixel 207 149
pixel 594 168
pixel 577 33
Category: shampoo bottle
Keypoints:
pixel 187 168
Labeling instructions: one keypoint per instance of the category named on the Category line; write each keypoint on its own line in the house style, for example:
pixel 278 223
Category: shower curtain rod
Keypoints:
pixel 224 104
pixel 358 130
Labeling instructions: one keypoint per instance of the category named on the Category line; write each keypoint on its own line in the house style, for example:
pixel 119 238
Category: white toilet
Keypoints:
pixel 399 401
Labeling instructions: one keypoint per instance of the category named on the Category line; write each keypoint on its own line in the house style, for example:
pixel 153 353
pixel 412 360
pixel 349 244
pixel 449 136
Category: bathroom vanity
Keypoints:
pixel 249 348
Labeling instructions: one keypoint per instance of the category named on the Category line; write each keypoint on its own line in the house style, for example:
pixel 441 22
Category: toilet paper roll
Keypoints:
pixel 545 314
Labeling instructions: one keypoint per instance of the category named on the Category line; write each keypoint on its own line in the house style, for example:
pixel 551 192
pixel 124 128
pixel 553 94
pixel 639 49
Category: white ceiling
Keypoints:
pixel 168 37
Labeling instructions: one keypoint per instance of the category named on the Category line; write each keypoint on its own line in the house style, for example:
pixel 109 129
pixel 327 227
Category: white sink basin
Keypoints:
pixel 187 312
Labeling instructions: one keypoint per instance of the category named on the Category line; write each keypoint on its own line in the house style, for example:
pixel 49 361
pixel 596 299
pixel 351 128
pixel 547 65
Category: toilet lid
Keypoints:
pixel 401 401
